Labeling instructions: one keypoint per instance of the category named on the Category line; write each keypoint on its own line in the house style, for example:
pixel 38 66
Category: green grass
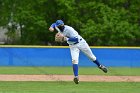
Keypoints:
pixel 69 87
pixel 123 71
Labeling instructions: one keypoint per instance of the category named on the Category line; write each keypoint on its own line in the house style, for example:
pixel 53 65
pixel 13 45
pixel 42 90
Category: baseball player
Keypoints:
pixel 76 44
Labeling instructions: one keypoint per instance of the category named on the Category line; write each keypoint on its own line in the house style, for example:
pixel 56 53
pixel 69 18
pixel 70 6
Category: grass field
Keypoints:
pixel 69 87
pixel 121 71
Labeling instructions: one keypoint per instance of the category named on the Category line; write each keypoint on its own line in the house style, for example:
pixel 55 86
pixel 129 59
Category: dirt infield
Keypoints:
pixel 90 78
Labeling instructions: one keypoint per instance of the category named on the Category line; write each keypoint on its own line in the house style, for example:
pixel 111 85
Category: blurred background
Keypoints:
pixel 100 22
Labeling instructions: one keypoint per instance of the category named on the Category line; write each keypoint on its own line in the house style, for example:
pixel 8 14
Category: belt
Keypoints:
pixel 76 42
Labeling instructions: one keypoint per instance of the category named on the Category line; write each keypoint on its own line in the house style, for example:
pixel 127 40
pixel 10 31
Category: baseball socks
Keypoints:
pixel 103 68
pixel 75 71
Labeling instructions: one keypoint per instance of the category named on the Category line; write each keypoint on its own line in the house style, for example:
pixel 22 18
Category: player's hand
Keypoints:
pixel 51 29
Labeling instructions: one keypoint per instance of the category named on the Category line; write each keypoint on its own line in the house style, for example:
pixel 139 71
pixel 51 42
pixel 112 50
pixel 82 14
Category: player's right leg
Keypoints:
pixel 75 57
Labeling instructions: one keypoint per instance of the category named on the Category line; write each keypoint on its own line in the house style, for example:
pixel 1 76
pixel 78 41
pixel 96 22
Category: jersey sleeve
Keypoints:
pixel 53 25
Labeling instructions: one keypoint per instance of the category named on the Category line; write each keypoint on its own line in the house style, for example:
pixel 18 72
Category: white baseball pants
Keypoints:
pixel 81 46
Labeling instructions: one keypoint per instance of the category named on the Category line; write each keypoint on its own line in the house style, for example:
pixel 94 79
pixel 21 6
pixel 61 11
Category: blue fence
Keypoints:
pixel 56 56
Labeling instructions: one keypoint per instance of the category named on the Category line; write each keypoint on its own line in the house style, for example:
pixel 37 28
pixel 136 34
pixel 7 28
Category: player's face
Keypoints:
pixel 61 27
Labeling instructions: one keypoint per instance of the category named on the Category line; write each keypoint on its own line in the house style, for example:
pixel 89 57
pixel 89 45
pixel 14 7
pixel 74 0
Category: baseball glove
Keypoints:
pixel 59 37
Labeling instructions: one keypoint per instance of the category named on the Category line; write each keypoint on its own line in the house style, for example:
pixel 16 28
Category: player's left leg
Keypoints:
pixel 84 47
pixel 75 57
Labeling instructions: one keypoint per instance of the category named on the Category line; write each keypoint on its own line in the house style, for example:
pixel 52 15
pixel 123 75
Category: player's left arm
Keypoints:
pixel 60 37
pixel 68 39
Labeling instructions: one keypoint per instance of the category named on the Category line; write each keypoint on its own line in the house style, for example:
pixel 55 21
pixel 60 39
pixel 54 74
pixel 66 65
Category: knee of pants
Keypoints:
pixel 74 61
pixel 93 58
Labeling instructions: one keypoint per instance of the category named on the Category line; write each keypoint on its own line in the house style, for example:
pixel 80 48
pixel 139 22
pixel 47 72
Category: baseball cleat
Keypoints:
pixel 76 80
pixel 103 68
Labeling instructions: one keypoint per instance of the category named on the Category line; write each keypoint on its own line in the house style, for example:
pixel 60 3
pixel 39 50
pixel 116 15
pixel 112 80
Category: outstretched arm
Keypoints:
pixel 52 27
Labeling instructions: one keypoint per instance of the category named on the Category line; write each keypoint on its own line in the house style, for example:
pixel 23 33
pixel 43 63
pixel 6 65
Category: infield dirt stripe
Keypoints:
pixel 93 78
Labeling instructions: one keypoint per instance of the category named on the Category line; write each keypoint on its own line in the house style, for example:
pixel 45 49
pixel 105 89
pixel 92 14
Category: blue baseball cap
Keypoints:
pixel 59 22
